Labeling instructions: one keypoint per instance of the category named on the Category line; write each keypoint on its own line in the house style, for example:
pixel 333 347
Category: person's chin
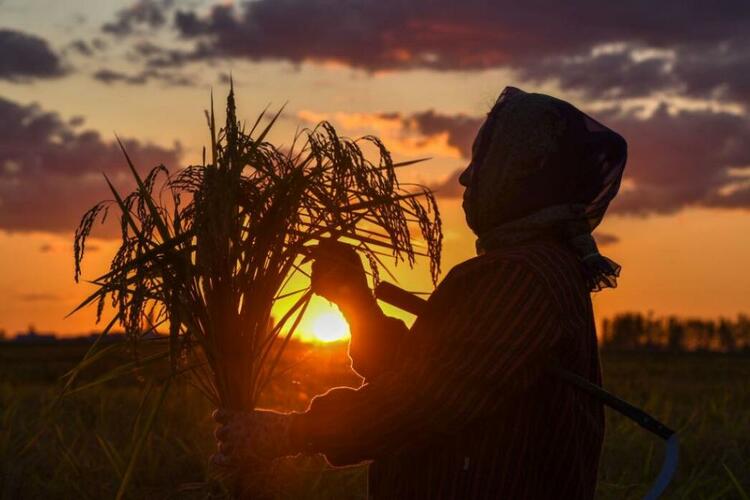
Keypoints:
pixel 467 216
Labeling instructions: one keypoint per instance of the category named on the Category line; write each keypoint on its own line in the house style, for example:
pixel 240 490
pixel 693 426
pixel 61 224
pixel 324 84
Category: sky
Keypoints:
pixel 674 81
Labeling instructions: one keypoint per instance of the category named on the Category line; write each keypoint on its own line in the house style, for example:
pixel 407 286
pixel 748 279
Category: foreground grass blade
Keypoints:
pixel 142 435
pixel 740 490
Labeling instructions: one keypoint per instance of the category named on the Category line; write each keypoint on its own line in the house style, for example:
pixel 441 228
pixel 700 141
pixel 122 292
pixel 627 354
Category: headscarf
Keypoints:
pixel 543 167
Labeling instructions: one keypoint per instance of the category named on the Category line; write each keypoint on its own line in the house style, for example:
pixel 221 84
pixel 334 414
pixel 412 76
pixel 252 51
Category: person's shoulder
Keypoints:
pixel 538 256
pixel 550 264
pixel 544 256
pixel 480 265
pixel 482 273
pixel 556 266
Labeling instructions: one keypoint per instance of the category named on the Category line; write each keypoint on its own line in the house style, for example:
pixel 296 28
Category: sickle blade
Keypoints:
pixel 668 469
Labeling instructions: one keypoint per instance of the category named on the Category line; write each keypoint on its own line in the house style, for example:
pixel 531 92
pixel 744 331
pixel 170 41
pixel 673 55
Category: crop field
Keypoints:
pixel 82 449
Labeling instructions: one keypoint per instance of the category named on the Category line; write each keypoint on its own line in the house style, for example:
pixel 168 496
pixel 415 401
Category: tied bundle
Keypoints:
pixel 206 252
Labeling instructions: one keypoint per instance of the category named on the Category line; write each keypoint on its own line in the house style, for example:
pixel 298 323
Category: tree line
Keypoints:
pixel 636 331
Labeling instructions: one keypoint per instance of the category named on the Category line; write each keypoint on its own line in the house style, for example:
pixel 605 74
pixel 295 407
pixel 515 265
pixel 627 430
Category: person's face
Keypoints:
pixel 478 153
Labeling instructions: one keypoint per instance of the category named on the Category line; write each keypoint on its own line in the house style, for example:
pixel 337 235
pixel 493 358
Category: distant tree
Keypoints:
pixel 675 334
pixel 606 331
pixel 634 331
pixel 627 331
pixel 727 340
pixel 742 332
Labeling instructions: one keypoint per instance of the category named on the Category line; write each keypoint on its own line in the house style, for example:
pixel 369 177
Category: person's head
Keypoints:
pixel 535 151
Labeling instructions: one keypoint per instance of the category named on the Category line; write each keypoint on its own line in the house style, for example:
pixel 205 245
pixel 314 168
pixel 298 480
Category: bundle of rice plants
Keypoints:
pixel 207 251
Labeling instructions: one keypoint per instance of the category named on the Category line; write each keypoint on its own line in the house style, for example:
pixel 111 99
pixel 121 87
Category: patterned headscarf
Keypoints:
pixel 541 166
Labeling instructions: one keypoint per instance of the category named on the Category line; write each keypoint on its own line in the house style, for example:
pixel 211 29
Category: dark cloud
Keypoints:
pixel 224 78
pixel 719 70
pixel 676 158
pixel 449 188
pixel 683 158
pixel 624 49
pixel 630 49
pixel 461 129
pixel 38 297
pixel 87 48
pixel 82 47
pixel 109 77
pixel 735 198
pixel 24 56
pixel 616 73
pixel 605 239
pixel 448 35
pixel 51 172
pixel 149 14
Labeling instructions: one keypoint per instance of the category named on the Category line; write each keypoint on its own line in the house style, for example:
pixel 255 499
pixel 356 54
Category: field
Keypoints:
pixel 83 448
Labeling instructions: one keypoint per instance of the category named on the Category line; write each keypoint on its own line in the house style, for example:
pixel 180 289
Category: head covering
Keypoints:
pixel 540 166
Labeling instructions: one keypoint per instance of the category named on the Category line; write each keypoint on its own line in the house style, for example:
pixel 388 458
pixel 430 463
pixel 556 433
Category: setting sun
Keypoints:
pixel 330 327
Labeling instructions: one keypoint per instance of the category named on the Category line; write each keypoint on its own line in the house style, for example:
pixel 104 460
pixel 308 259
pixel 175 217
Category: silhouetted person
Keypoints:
pixel 459 405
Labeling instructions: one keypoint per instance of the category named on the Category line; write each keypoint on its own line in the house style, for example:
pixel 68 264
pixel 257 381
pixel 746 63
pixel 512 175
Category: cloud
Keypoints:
pixel 450 187
pixel 370 35
pixel 694 48
pixel 149 14
pixel 86 48
pixel 618 71
pixel 605 239
pixel 631 49
pixel 38 297
pixel 719 71
pixel 677 158
pixel 24 56
pixel 51 172
pixel 448 35
pixel 423 133
pixel 110 77
pixel 682 158
pixel 460 129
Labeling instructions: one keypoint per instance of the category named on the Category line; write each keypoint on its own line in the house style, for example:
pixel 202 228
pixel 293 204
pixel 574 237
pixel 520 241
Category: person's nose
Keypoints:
pixel 465 178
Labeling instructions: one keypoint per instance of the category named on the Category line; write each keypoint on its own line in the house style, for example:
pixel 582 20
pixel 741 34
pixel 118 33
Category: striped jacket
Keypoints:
pixel 460 407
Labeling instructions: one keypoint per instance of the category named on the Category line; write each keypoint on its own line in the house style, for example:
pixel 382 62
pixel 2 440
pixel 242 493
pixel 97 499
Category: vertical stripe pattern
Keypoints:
pixel 460 407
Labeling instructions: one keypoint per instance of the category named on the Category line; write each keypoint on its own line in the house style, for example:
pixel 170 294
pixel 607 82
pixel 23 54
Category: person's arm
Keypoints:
pixel 338 275
pixel 375 337
pixel 501 324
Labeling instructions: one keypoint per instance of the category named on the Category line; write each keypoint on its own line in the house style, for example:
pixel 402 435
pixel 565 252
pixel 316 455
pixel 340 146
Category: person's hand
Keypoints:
pixel 337 272
pixel 242 437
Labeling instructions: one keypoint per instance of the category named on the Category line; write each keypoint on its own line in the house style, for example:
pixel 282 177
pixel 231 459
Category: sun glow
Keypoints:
pixel 330 327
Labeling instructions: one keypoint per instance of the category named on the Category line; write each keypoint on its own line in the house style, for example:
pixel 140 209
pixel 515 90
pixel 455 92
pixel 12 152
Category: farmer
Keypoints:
pixel 459 406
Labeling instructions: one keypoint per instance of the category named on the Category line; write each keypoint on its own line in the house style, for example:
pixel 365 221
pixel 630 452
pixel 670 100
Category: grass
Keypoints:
pixel 84 448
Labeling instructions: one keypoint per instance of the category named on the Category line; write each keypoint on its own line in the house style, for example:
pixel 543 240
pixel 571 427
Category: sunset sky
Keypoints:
pixel 674 80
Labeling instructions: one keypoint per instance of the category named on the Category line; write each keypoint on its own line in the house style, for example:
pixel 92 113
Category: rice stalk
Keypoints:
pixel 212 259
